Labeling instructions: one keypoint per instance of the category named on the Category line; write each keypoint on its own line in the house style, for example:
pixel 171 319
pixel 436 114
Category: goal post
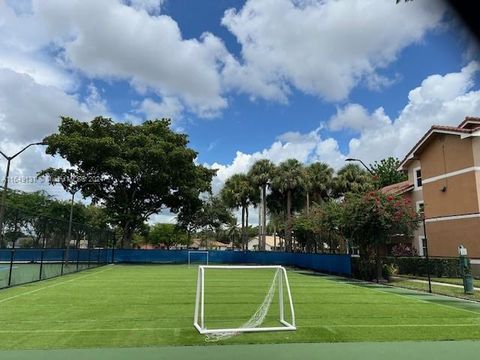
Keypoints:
pixel 191 254
pixel 282 318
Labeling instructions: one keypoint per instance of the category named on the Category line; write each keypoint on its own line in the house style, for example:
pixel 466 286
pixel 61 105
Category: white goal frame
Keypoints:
pixel 199 317
pixel 197 252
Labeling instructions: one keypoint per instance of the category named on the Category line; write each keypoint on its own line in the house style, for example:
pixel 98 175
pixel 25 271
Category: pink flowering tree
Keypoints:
pixel 372 220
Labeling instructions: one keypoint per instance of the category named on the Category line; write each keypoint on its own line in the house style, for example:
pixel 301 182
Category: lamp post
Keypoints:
pixel 5 185
pixel 69 234
pixel 361 162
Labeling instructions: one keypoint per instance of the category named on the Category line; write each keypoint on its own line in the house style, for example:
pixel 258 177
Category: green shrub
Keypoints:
pixel 417 266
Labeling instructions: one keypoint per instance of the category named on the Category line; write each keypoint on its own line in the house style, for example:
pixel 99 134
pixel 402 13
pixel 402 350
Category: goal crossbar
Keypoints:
pixel 199 316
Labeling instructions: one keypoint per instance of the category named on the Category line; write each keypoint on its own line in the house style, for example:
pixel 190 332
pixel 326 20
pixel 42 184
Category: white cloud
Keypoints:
pixel 30 111
pixel 440 99
pixel 303 147
pixel 150 6
pixel 169 107
pixel 107 39
pixel 321 47
pixel 22 39
pixel 443 100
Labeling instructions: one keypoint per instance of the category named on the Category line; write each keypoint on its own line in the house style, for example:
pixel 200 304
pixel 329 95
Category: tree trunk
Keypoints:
pixel 308 203
pixel 378 263
pixel 246 228
pixel 127 235
pixel 288 229
pixel 264 217
pixel 275 237
pixel 243 227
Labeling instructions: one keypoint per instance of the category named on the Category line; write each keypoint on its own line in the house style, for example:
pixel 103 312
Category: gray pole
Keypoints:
pixel 5 187
pixel 260 222
pixel 4 198
pixel 69 235
pixel 264 217
pixel 361 162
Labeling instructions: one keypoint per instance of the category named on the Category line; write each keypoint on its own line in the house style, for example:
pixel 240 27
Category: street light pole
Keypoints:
pixel 5 185
pixel 69 234
pixel 361 162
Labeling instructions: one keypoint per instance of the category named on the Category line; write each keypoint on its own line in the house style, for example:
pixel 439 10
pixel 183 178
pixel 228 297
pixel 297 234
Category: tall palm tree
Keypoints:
pixel 239 193
pixel 352 178
pixel 318 182
pixel 289 175
pixel 261 174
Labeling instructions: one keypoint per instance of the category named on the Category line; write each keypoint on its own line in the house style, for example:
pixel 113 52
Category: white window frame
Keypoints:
pixel 420 245
pixel 199 316
pixel 415 178
pixel 197 252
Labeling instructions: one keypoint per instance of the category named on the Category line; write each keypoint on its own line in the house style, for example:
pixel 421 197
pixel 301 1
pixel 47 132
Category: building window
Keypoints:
pixel 417 178
pixel 421 208
pixel 422 248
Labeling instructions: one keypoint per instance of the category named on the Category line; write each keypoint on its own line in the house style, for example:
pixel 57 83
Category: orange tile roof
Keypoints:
pixel 398 188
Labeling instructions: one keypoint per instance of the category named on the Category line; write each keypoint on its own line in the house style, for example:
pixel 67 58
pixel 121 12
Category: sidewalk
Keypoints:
pixel 433 282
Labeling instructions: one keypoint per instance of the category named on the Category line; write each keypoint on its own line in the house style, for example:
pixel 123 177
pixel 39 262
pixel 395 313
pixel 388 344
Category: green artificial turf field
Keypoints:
pixel 135 306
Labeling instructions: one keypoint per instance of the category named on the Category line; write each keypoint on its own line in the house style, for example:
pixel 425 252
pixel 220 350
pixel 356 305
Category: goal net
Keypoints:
pixel 198 257
pixel 235 299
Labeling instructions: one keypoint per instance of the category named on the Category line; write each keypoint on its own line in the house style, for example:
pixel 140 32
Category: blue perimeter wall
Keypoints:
pixel 335 264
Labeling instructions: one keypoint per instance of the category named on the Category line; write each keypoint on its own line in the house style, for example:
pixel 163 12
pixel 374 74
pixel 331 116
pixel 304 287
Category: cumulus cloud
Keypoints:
pixel 169 107
pixel 107 39
pixel 321 47
pixel 303 147
pixel 150 6
pixel 439 99
pixel 444 100
pixel 29 111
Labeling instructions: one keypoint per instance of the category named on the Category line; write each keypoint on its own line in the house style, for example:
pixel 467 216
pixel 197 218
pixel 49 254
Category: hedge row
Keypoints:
pixel 414 265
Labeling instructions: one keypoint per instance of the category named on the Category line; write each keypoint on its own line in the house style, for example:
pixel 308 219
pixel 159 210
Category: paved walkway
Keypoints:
pixel 435 283
pixel 438 350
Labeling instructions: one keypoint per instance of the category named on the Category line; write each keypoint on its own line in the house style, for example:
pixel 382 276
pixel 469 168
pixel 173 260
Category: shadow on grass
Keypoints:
pixel 444 300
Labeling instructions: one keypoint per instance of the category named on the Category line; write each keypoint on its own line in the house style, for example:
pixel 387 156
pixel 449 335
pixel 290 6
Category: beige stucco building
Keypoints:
pixel 444 181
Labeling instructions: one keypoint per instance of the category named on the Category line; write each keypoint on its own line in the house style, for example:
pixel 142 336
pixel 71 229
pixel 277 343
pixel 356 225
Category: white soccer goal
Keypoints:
pixel 202 253
pixel 253 291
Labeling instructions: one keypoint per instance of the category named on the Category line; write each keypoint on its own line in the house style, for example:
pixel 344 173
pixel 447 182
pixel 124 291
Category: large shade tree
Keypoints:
pixel 261 174
pixel 288 177
pixel 132 170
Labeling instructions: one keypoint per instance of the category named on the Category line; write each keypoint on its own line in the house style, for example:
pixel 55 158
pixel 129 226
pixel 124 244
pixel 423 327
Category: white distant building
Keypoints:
pixel 271 243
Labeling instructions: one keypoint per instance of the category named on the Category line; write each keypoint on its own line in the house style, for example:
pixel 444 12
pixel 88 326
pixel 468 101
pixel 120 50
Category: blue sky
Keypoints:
pixel 314 80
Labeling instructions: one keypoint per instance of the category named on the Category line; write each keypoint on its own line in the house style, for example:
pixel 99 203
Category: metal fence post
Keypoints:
pixel 427 257
pixel 41 265
pixel 63 262
pixel 12 255
pixel 78 258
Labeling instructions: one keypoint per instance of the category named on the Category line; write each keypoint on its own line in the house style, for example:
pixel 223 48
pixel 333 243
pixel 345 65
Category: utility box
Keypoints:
pixel 465 270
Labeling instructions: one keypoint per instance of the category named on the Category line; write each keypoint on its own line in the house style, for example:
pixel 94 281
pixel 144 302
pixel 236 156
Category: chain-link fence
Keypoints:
pixel 36 247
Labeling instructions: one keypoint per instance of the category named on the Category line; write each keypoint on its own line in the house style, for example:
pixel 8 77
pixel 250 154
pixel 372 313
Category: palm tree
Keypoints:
pixel 288 176
pixel 318 182
pixel 352 178
pixel 239 193
pixel 261 174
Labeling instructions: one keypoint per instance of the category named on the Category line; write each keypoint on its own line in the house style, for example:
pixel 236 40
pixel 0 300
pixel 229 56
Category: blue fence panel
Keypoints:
pixel 339 264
